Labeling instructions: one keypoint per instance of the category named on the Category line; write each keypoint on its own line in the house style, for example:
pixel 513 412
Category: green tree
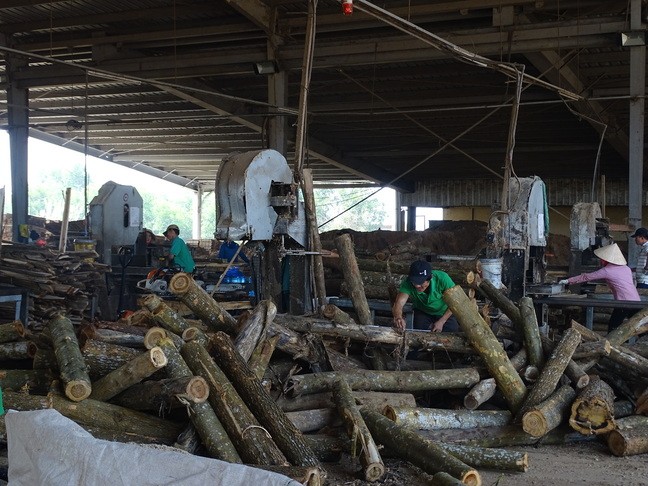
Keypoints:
pixel 368 215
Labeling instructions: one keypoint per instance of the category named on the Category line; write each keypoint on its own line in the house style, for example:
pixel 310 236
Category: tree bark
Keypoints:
pixel 12 331
pixel 97 414
pixel 353 279
pixel 574 371
pixel 438 418
pixel 129 374
pixel 488 347
pixel 483 457
pixel 102 358
pixel 531 333
pixel 445 479
pixel 480 393
pixel 394 381
pixel 252 442
pixel 501 301
pixel 594 349
pixel 425 340
pixel 286 436
pixel 628 442
pixel 211 431
pixel 261 356
pixel 372 400
pixel 162 395
pixel 201 303
pixel 72 367
pixel 409 445
pixel 362 443
pixel 553 370
pixel 35 381
pixel 164 315
pixel 17 350
pixel 337 315
pixel 293 343
pixel 314 420
pixel 593 410
pixel 637 324
pixel 549 414
pixel 255 328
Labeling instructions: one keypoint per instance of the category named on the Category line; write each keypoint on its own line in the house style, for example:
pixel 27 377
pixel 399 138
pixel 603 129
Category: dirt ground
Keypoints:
pixel 588 463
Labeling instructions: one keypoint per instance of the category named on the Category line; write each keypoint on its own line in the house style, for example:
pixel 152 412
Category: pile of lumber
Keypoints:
pixel 292 393
pixel 57 282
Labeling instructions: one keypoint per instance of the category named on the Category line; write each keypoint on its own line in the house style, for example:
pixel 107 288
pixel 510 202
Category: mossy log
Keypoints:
pixel 487 346
pixel 201 303
pixel 102 358
pixel 97 413
pixel 480 393
pixel 553 370
pixel 429 341
pixel 392 381
pixel 18 350
pixel 32 381
pixel 12 331
pixel 194 334
pixel 137 369
pixel 487 458
pixel 593 410
pixel 155 334
pixel 352 277
pixel 362 443
pixel 549 414
pixel 501 301
pixel 373 400
pixel 445 479
pixel 636 325
pixel 409 445
pixel 284 433
pixel 72 367
pixel 251 441
pixel 202 415
pixel 531 332
pixel 628 441
pixel 314 420
pixel 337 315
pixel 293 343
pixel 111 336
pixel 164 315
pixel 594 349
pixel 574 370
pixel 254 328
pixel 165 394
pixel 439 418
pixel 261 356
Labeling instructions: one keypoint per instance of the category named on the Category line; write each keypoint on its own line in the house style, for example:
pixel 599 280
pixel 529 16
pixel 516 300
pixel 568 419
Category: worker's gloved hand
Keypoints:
pixel 564 282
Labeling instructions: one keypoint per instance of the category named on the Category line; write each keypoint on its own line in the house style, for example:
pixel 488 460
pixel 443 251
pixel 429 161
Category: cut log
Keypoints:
pixel 162 395
pixel 305 475
pixel 293 343
pixel 593 410
pixel 202 415
pixel 553 370
pixel 595 349
pixel 445 479
pixel 574 371
pixel 410 446
pixel 155 334
pixel 482 457
pixel 353 279
pixel 314 420
pixel 197 335
pixel 102 358
pixel 629 441
pixel 97 414
pixel 339 361
pixel 480 393
pixel 549 414
pixel 72 367
pixel 373 400
pixel 31 381
pixel 531 332
pixel 636 325
pixel 438 418
pixel 261 356
pixel 18 350
pixel 255 328
pixel 394 381
pixel 424 340
pixel 129 374
pixel 337 315
pixel 284 433
pixel 12 331
pixel 112 337
pixel 362 443
pixel 251 441
pixel 501 301
pixel 201 303
pixel 489 348
pixel 164 315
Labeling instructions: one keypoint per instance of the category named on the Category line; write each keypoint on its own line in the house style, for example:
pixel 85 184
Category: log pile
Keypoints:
pixel 58 283
pixel 291 393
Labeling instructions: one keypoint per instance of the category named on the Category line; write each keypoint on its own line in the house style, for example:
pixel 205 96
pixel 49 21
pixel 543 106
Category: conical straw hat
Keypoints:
pixel 611 254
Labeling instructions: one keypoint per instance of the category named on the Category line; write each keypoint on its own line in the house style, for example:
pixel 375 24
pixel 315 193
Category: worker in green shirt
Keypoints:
pixel 425 287
pixel 179 254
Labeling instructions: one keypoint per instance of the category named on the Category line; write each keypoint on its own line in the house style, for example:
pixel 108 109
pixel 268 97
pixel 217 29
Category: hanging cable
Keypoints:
pixel 86 231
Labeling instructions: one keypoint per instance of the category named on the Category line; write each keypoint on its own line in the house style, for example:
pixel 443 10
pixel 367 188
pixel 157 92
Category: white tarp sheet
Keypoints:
pixel 44 447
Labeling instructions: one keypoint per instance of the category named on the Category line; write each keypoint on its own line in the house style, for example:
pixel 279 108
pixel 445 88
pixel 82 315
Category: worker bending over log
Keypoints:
pixel 618 277
pixel 425 286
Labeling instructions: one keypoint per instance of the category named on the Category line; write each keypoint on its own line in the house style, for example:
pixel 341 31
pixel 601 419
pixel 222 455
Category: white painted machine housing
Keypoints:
pixel 528 218
pixel 243 198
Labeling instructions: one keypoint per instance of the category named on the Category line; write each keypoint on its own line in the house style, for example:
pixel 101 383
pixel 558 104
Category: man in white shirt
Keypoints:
pixel 641 272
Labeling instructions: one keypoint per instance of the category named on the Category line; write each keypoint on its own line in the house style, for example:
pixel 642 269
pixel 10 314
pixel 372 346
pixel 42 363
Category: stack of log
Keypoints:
pixel 57 282
pixel 235 389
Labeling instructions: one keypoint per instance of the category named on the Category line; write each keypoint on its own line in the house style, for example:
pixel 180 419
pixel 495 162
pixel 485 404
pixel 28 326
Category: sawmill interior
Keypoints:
pixel 282 353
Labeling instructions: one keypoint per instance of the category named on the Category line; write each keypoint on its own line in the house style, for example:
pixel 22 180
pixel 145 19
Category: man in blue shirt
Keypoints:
pixel 179 254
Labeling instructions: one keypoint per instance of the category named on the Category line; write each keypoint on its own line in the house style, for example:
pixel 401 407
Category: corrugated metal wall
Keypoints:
pixel 483 192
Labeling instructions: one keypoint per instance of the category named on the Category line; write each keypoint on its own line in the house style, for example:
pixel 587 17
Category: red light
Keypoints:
pixel 347 7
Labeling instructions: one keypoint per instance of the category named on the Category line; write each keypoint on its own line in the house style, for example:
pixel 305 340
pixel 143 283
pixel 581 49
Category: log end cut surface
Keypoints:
pixel 534 423
pixel 180 283
pixel 77 390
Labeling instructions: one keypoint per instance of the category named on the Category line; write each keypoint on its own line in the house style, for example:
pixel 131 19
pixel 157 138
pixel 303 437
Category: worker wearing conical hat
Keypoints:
pixel 618 277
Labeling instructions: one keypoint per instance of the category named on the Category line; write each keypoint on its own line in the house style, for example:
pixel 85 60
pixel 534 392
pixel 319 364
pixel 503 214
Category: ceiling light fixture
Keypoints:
pixel 265 67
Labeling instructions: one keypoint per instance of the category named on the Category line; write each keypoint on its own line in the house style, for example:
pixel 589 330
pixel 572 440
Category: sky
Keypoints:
pixel 43 156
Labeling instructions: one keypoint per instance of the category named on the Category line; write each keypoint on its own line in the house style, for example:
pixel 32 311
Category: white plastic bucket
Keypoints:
pixel 492 271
